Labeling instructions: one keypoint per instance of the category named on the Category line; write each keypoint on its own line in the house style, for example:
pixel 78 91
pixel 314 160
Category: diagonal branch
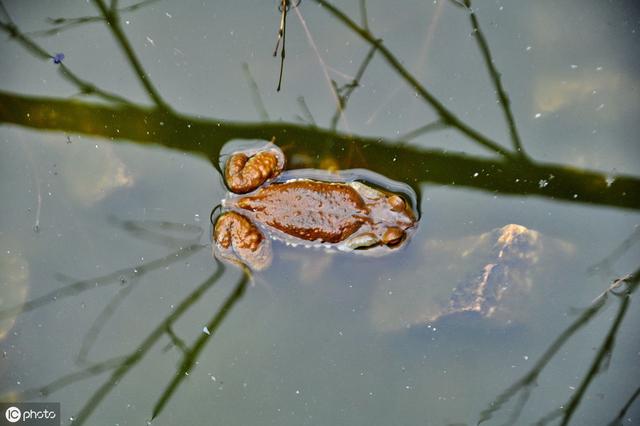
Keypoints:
pixel 623 411
pixel 444 113
pixel 113 22
pixel 68 379
pixel 206 136
pixel 111 278
pixel 603 353
pixel 136 355
pixel 525 383
pixel 191 356
pixel 344 93
pixel 497 82
pixel 63 24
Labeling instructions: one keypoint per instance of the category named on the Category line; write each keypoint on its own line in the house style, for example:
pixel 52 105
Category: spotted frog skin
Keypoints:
pixel 300 210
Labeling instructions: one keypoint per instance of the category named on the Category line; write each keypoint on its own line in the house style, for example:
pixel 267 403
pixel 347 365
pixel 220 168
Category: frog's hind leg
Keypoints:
pixel 239 241
pixel 246 170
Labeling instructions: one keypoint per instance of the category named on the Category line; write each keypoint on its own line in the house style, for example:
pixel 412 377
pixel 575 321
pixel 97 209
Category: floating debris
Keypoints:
pixel 57 58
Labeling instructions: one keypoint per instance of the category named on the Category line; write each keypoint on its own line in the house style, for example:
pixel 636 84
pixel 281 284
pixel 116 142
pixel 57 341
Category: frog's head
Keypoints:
pixel 390 218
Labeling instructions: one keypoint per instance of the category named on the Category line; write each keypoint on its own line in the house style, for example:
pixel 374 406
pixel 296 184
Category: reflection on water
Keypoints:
pixel 127 318
pixel 14 286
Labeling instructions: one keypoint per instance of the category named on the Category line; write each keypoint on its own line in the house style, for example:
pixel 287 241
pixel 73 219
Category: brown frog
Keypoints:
pixel 304 207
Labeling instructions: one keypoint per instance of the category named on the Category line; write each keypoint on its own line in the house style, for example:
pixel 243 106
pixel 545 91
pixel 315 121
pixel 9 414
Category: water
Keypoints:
pixel 96 196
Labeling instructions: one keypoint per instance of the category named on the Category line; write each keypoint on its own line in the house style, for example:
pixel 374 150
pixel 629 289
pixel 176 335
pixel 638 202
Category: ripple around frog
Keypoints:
pixel 373 179
pixel 367 183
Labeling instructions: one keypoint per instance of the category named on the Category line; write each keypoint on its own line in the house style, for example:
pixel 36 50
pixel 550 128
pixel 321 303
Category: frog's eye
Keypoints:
pixel 397 203
pixel 393 236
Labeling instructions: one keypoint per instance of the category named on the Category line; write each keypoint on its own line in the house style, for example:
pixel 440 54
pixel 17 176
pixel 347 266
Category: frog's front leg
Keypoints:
pixel 238 240
pixel 245 171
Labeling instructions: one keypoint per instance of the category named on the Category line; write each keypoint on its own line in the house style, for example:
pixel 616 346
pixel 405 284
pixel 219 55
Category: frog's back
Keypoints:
pixel 309 210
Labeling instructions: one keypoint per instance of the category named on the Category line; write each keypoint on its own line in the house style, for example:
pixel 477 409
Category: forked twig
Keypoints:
pixel 444 113
pixel 528 380
pixel 137 354
pixel 344 92
pixel 190 355
pixel 282 34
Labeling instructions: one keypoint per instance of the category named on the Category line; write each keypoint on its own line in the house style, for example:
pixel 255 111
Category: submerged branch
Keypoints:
pixel 191 355
pixel 255 93
pixel 93 283
pixel 344 92
pixel 444 113
pixel 525 383
pixel 62 24
pixel 605 350
pixel 618 420
pixel 505 103
pixel 113 22
pixel 85 87
pixel 206 137
pixel 66 380
pixel 138 354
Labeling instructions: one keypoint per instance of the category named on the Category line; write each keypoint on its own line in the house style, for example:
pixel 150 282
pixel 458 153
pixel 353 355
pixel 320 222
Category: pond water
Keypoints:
pixel 105 231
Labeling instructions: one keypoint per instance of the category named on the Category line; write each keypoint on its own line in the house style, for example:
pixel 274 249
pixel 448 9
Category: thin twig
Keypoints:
pixel 282 33
pixel 603 353
pixel 442 111
pixel 64 381
pixel 191 356
pixel 175 340
pixel 429 127
pixel 113 22
pixel 63 24
pixel 363 14
pixel 350 87
pixel 606 264
pixel 84 86
pixel 529 379
pixel 99 322
pixel 323 66
pixel 618 420
pixel 255 93
pixel 93 283
pixel 305 110
pixel 497 82
pixel 136 355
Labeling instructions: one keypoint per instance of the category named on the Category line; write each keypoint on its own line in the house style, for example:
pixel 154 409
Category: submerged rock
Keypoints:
pixel 486 279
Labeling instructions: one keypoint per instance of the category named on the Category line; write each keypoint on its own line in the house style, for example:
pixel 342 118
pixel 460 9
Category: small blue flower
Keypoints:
pixel 57 59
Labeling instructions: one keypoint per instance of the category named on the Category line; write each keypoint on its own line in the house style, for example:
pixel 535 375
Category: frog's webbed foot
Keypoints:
pixel 246 171
pixel 238 240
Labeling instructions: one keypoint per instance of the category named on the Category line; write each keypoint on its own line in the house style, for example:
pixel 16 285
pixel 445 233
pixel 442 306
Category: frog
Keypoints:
pixel 337 210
